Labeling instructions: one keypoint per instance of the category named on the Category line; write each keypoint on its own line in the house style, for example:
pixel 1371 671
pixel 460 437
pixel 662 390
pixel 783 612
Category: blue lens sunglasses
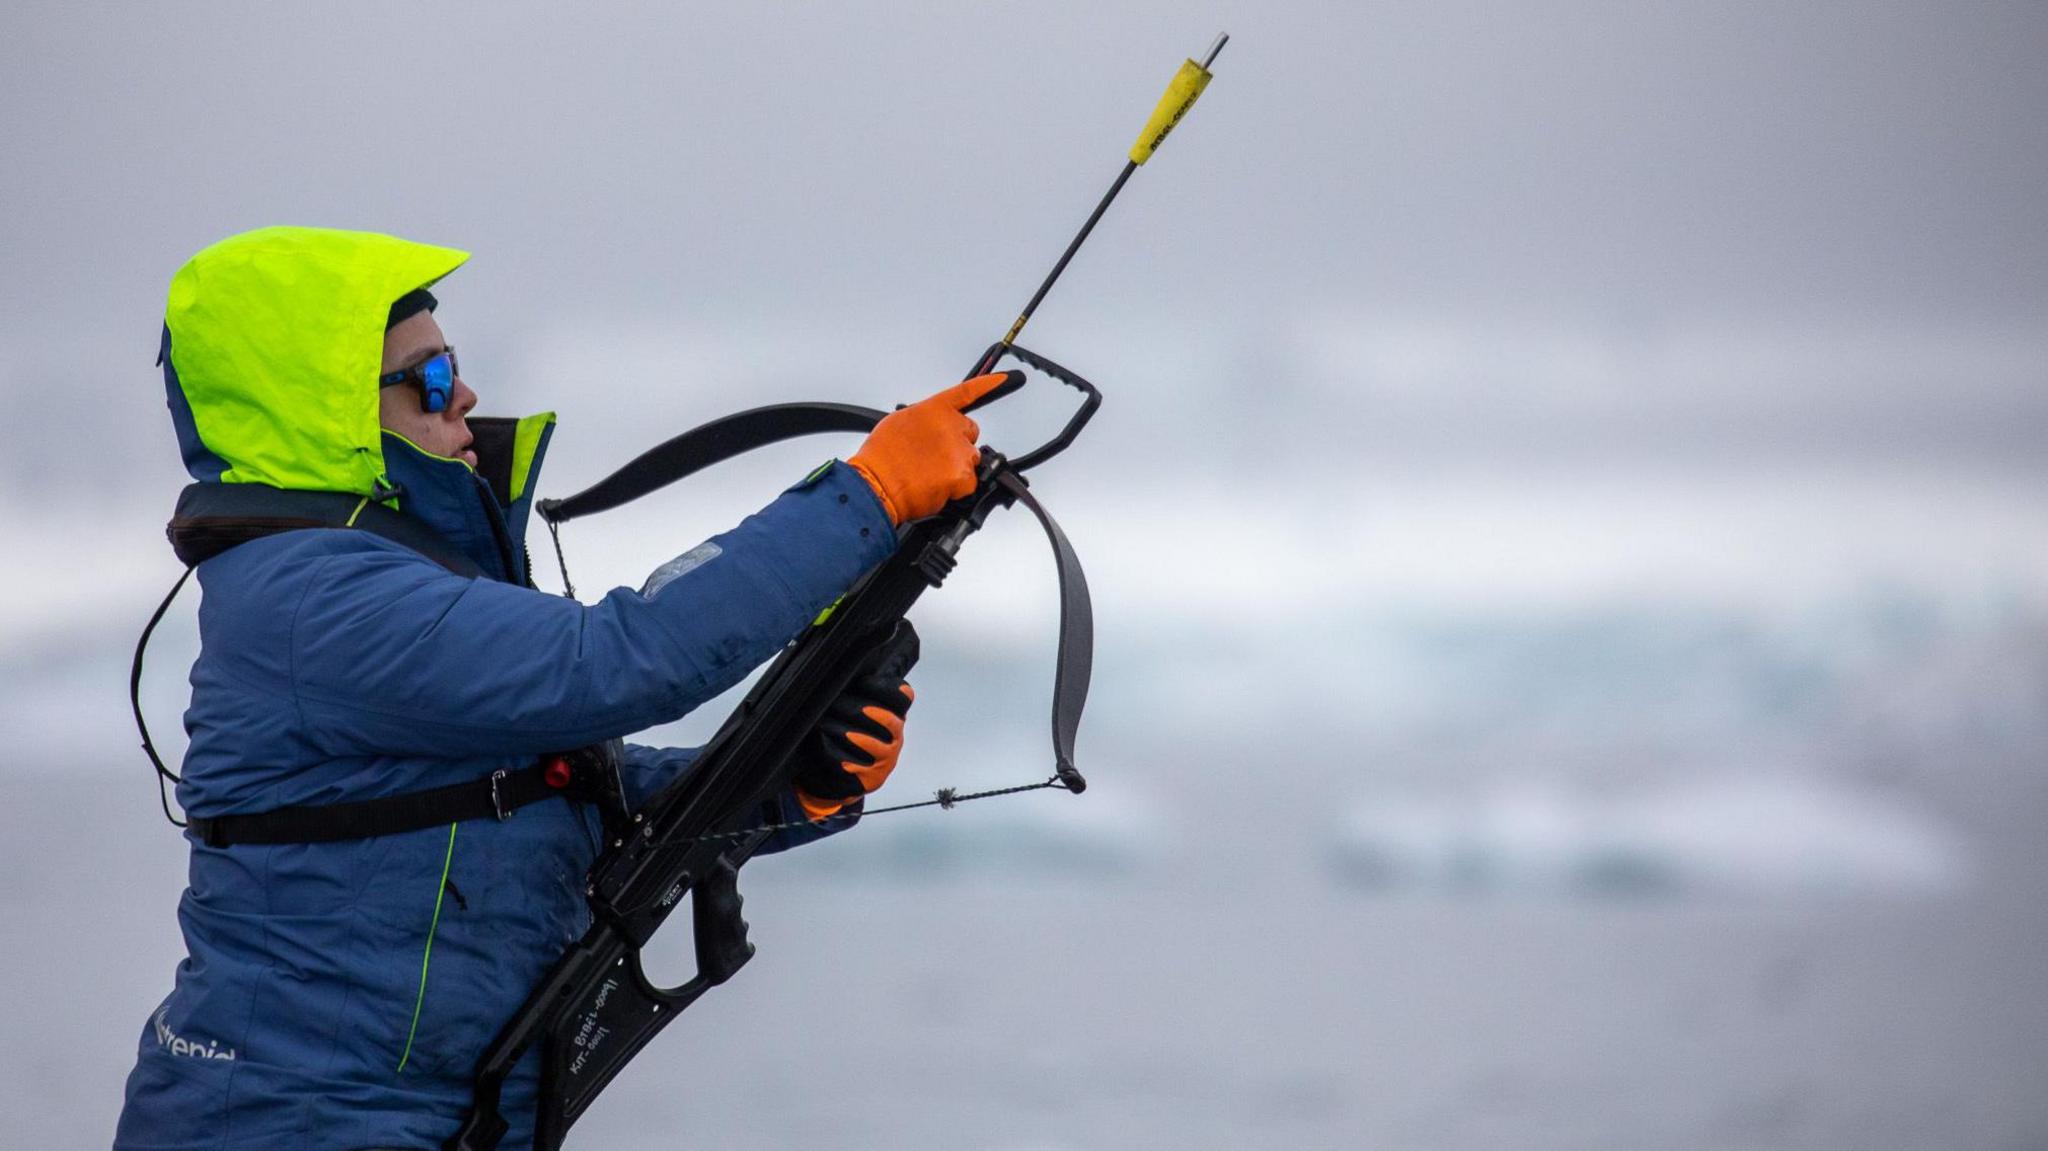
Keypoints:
pixel 435 378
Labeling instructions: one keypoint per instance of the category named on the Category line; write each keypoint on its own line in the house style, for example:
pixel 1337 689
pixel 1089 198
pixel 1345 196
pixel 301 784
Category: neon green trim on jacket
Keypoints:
pixel 427 956
pixel 277 336
pixel 525 443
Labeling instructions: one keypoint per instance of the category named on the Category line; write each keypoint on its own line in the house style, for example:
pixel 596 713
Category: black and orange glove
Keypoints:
pixel 923 456
pixel 856 745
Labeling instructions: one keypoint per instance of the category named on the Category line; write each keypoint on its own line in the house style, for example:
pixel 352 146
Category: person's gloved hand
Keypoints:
pixel 922 456
pixel 855 746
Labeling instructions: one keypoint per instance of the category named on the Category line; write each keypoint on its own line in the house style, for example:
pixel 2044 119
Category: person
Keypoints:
pixel 337 992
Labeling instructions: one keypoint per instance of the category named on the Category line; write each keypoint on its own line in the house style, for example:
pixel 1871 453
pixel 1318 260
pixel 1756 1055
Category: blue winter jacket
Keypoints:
pixel 338 995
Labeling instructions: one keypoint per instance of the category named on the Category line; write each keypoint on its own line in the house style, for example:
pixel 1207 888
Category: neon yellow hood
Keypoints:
pixel 275 341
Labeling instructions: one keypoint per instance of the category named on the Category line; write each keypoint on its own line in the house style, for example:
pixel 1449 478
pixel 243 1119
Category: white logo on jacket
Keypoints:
pixel 177 1045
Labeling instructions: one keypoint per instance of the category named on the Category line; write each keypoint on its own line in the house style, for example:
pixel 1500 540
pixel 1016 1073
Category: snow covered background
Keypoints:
pixel 1567 529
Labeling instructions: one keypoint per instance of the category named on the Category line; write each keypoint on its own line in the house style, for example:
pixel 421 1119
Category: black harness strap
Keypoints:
pixel 499 795
pixel 586 775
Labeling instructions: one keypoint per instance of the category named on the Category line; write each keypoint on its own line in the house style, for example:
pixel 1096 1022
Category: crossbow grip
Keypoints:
pixel 722 946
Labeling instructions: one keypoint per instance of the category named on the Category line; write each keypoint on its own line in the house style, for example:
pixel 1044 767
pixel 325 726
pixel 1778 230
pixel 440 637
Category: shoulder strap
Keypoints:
pixel 212 518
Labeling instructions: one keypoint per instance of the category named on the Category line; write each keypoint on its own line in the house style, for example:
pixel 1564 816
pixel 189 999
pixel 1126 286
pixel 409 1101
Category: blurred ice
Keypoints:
pixel 1739 836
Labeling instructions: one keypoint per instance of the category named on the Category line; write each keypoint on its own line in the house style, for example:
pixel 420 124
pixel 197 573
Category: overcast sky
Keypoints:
pixel 1834 159
pixel 1830 171
pixel 1390 236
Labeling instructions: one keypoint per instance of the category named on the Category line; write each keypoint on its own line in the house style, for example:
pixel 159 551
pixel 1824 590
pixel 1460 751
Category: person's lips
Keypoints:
pixel 465 454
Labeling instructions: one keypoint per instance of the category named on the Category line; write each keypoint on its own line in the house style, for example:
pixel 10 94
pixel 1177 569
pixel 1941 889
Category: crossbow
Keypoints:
pixel 597 1008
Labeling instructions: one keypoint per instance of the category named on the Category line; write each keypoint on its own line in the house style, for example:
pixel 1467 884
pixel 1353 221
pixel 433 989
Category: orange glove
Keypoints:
pixel 921 457
pixel 859 741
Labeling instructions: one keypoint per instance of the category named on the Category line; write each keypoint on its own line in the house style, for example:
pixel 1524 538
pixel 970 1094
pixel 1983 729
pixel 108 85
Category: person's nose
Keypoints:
pixel 465 399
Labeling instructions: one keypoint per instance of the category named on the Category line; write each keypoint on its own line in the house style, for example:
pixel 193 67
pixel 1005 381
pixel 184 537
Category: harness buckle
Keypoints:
pixel 497 800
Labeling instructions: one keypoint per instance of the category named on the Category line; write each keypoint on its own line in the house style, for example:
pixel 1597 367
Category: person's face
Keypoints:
pixel 408 343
